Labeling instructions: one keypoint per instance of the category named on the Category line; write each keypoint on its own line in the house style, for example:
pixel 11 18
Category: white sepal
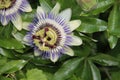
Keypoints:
pixel 54 57
pixel 66 14
pixel 17 21
pixel 37 52
pixel 74 24
pixel 76 41
pixel 56 9
pixel 68 51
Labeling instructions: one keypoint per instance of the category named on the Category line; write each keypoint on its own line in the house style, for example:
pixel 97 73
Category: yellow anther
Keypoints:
pixel 5 4
pixel 48 38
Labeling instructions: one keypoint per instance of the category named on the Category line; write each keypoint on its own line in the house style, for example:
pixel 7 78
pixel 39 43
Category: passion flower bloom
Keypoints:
pixel 11 9
pixel 51 33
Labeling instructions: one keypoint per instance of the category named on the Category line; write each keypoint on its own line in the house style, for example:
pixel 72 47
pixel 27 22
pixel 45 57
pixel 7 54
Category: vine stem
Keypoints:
pixel 107 73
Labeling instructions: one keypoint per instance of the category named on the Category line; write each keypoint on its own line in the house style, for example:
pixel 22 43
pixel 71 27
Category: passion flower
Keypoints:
pixel 51 33
pixel 10 11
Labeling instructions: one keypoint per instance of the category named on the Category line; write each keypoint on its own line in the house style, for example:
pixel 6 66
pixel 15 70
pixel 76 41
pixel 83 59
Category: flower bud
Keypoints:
pixel 87 5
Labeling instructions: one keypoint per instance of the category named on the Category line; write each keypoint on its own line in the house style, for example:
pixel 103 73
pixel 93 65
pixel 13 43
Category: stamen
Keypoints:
pixel 35 37
pixel 46 29
pixel 48 37
pixel 50 46
pixel 53 46
pixel 5 4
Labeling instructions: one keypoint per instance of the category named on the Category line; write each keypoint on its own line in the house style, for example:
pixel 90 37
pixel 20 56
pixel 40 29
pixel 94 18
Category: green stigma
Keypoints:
pixel 5 4
pixel 45 38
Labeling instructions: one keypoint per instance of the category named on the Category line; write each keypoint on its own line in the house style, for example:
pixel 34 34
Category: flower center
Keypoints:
pixel 4 4
pixel 46 38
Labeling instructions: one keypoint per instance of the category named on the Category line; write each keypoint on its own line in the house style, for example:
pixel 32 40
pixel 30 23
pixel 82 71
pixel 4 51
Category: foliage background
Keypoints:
pixel 97 59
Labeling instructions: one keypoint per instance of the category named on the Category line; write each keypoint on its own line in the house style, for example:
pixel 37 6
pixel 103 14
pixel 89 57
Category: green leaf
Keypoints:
pixel 114 26
pixel 74 78
pixel 12 66
pixel 83 70
pixel 90 69
pixel 115 75
pixel 67 69
pixel 105 60
pixel 95 71
pixel 11 44
pixel 23 79
pixel 82 49
pixel 113 21
pixel 4 78
pixel 5 32
pixel 101 7
pixel 49 75
pixel 6 53
pixel 116 51
pixel 20 74
pixel 91 25
pixel 3 60
pixel 29 16
pixel 35 74
pixel 112 41
pixel 76 9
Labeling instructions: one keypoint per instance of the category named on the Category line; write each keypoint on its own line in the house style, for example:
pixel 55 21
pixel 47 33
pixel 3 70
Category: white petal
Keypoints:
pixel 4 21
pixel 74 24
pixel 25 25
pixel 37 52
pixel 68 51
pixel 26 38
pixel 56 9
pixel 26 7
pixel 54 57
pixel 14 9
pixel 40 12
pixel 76 41
pixel 45 6
pixel 17 21
pixel 66 14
